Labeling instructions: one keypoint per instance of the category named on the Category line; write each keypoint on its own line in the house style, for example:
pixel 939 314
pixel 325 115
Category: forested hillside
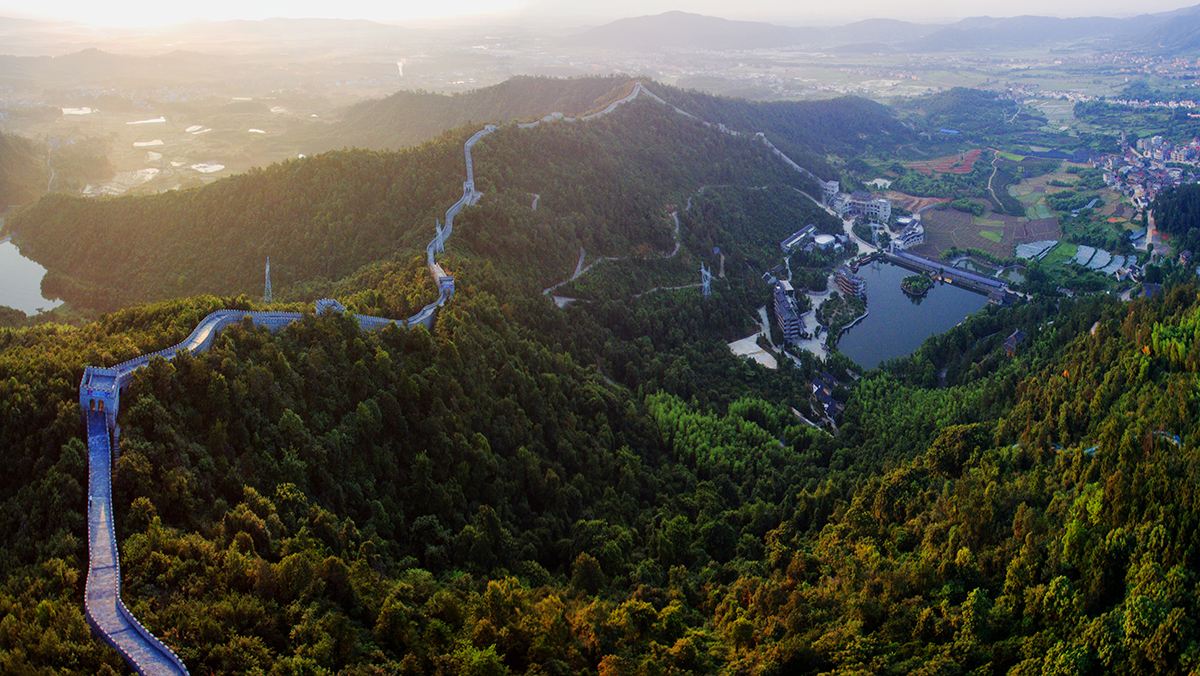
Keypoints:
pixel 806 130
pixel 317 218
pixel 409 118
pixel 605 185
pixel 1177 213
pixel 22 170
pixel 324 499
pixel 29 168
pixel 601 488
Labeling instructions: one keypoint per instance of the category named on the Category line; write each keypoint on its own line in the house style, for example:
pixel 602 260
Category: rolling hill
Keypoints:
pixel 605 185
pixel 804 129
pixel 408 118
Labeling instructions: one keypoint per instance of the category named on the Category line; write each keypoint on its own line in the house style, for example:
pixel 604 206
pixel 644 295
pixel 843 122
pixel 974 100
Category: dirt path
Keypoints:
pixel 995 170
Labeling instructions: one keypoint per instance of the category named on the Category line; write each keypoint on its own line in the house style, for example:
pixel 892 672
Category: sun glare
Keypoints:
pixel 141 13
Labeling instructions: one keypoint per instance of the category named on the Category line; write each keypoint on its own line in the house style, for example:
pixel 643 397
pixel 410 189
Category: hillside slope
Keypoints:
pixel 316 218
pixel 22 170
pixel 607 184
pixel 408 118
pixel 480 499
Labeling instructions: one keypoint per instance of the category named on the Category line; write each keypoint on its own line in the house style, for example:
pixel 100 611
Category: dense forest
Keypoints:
pixel 107 252
pixel 807 131
pixel 1177 213
pixel 324 499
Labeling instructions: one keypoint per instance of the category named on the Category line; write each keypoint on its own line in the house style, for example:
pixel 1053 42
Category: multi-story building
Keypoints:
pixel 912 235
pixel 850 283
pixel 829 191
pixel 787 313
pixel 864 204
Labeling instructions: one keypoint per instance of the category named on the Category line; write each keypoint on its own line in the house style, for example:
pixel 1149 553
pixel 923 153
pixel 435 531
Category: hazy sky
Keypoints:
pixel 152 12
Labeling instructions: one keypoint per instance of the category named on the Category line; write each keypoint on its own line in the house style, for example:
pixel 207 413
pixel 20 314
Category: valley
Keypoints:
pixel 345 346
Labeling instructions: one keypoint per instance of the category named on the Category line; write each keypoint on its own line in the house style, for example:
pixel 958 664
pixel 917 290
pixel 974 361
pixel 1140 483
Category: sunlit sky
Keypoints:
pixel 161 12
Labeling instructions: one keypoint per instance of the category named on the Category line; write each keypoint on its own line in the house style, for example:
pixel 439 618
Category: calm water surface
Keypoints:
pixel 21 282
pixel 897 324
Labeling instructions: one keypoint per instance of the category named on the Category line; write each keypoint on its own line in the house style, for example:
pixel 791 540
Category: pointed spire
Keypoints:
pixel 267 286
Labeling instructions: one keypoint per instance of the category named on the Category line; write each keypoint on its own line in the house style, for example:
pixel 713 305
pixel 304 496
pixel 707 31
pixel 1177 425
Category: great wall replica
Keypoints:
pixel 100 397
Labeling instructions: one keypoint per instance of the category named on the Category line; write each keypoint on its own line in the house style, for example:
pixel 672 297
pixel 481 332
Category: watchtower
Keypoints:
pixel 328 305
pixel 705 280
pixel 100 392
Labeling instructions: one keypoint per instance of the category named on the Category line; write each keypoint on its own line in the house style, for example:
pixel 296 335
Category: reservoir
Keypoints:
pixel 21 281
pixel 896 325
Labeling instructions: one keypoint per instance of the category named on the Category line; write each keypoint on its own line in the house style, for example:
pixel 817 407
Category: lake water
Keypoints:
pixel 21 282
pixel 896 324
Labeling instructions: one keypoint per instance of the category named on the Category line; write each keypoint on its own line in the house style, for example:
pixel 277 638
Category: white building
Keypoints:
pixel 877 210
pixel 829 191
pixel 909 237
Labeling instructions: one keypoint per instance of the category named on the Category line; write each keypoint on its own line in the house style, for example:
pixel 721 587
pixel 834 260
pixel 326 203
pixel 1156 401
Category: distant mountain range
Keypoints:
pixel 1169 32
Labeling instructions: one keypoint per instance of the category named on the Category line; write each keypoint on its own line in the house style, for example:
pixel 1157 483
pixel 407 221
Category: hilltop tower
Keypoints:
pixel 705 280
pixel 267 285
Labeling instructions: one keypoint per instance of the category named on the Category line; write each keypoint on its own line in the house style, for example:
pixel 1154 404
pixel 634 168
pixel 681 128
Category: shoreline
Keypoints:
pixel 844 329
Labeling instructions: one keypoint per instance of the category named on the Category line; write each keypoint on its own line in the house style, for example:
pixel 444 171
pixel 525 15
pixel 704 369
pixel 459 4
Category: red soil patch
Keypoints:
pixel 950 164
pixel 912 203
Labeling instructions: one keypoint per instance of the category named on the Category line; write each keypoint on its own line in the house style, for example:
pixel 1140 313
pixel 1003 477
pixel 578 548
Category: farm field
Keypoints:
pixel 1060 254
pixel 1031 192
pixel 997 234
pixel 962 164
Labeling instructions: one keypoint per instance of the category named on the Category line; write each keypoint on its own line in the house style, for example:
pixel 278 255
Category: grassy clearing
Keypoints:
pixel 1012 157
pixel 991 235
pixel 985 222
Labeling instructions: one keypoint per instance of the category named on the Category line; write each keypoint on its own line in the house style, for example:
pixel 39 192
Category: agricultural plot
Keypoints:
pixel 997 234
pixel 1059 255
pixel 961 164
pixel 1031 192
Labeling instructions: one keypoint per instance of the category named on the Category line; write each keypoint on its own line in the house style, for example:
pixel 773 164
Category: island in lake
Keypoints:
pixel 916 285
